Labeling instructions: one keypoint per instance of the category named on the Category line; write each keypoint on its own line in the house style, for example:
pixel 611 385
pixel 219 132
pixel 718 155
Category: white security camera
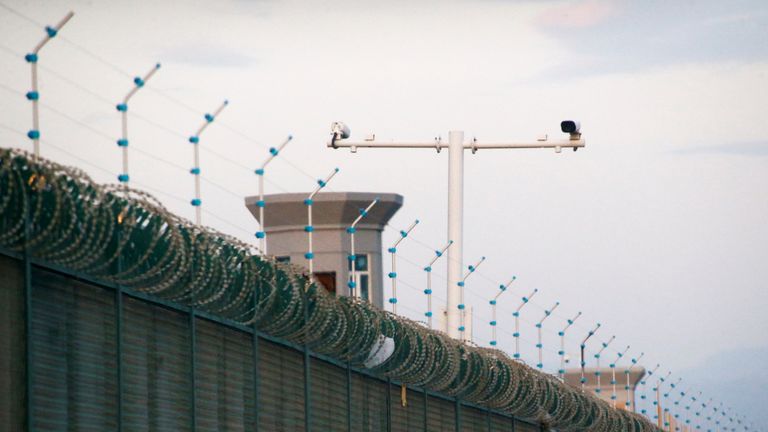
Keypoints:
pixel 570 127
pixel 339 131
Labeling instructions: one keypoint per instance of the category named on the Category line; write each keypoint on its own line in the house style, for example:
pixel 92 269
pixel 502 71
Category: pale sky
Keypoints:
pixel 657 229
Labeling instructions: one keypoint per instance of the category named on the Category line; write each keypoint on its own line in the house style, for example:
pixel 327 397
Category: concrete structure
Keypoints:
pixel 573 377
pixel 286 219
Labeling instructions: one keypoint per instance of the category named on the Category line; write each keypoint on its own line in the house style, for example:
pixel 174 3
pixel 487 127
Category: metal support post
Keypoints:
pixel 321 183
pixel 516 314
pixel 352 258
pixel 34 94
pixel 462 307
pixel 561 353
pixel 262 233
pixel 195 171
pixel 539 344
pixel 393 274
pixel 582 347
pixel 428 290
pixel 598 373
pixel 612 365
pixel 502 290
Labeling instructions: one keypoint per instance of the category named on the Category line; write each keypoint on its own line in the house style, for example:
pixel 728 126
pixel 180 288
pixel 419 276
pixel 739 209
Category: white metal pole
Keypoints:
pixel 461 308
pixel 613 375
pixel 195 171
pixel 539 344
pixel 583 346
pixel 321 183
pixel 352 258
pixel 393 273
pixel 645 386
pixel 502 290
pixel 455 232
pixel 599 353
pixel 262 233
pixel 123 109
pixel 34 94
pixel 428 290
pixel 516 314
pixel 561 333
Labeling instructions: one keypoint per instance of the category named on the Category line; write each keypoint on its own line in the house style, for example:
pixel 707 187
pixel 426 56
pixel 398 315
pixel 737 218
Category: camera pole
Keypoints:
pixel 456 147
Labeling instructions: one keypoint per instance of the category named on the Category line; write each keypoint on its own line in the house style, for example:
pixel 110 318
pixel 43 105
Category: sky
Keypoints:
pixel 657 229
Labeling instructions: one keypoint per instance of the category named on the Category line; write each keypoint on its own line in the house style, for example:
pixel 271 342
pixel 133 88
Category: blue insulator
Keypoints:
pixel 516 334
pixel 351 230
pixel 33 134
pixel 196 202
pixel 597 373
pixel 461 328
pixel 308 202
pixel 613 382
pixel 51 31
pixel 351 284
pixel 493 343
pixel 493 323
pixel 260 234
pixel 403 234
pixel 393 300
pixel 438 253
pixel 427 291
pixel 123 178
pixel 122 142
pixel 515 314
pixel 560 333
pixel 121 107
pixel 597 390
pixel 561 371
pixel 471 268
pixel 194 139
pixel 428 269
pixel 363 212
pixel 31 58
pixel 33 95
pixel 273 151
pixel 502 287
pixel 428 314
pixel 195 171
pixel 309 228
pixel 539 365
pixel 208 117
pixel 138 81
pixel 392 250
pixel 460 283
pixel 321 183
pixel 525 299
pixel 613 397
pixel 560 352
pixel 461 306
pixel 516 355
pixel 309 255
pixel 492 302
pixel 392 275
pixel 538 345
pixel 259 171
pixel 611 365
pixel 261 203
pixel 538 325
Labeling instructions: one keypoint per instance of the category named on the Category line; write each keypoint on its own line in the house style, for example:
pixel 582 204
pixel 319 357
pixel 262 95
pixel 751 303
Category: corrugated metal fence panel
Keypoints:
pixel 12 356
pixel 411 416
pixel 281 388
pixel 525 427
pixel 369 404
pixel 473 420
pixel 329 396
pixel 224 378
pixel 156 368
pixel 74 355
pixel 500 423
pixel 441 415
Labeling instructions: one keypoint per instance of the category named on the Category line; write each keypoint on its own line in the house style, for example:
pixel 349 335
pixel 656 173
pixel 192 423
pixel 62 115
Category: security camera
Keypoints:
pixel 570 127
pixel 338 131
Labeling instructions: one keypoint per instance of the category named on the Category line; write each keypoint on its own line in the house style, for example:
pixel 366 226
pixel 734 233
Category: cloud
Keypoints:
pixel 581 14
pixel 202 54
